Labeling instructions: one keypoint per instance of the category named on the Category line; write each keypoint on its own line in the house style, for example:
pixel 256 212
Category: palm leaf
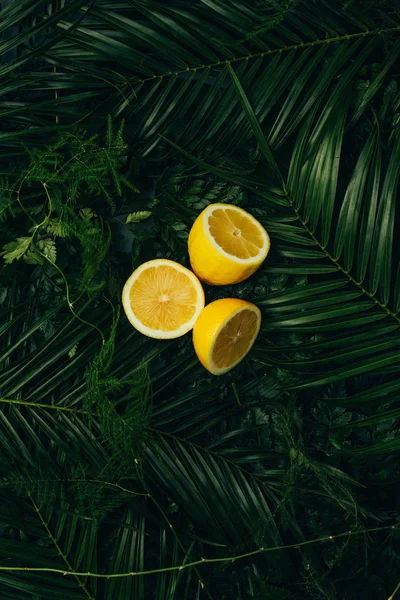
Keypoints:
pixel 130 554
pixel 66 541
pixel 311 193
pixel 187 475
pixel 194 49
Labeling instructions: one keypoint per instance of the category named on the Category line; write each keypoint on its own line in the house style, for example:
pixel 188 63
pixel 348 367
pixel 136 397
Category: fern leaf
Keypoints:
pixel 59 228
pixel 73 350
pixel 17 249
pixel 48 248
pixel 138 216
pixel 6 204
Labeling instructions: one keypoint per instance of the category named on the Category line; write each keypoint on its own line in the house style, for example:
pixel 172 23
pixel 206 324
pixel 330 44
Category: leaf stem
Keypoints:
pixel 202 561
pixel 70 304
pixel 46 406
pixel 339 266
pixel 207 451
pixel 61 553
pixel 110 484
pixel 100 481
pixel 171 527
pixel 246 57
pixel 395 592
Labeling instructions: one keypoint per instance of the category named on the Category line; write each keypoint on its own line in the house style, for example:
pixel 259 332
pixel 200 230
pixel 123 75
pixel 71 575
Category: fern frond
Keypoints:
pixel 6 201
pixel 95 239
pixel 123 430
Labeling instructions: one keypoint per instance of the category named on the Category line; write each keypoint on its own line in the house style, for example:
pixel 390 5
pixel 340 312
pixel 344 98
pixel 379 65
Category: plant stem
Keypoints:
pixel 46 406
pixel 100 481
pixel 171 527
pixel 207 451
pixel 63 556
pixel 395 592
pixel 339 266
pixel 246 57
pixel 202 561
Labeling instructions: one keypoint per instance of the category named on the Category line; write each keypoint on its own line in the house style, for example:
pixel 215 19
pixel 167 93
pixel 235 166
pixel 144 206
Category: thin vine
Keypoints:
pixel 395 592
pixel 203 561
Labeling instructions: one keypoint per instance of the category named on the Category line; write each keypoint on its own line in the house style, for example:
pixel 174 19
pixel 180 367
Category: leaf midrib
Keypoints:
pixel 225 63
pixel 207 450
pixel 340 268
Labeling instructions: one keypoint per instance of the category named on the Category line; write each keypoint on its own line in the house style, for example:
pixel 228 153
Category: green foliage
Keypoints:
pixel 120 454
pixel 122 432
pixel 20 248
pixel 138 216
pixel 63 185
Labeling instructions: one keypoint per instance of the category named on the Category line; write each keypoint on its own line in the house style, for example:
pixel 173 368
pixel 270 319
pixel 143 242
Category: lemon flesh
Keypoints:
pixel 162 299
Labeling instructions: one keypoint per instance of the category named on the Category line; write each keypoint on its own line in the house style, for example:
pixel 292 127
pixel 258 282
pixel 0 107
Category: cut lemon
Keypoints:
pixel 226 244
pixel 225 332
pixel 162 299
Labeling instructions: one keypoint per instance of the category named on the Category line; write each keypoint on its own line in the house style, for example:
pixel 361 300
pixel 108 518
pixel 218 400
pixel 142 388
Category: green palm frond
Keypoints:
pixel 131 554
pixel 49 536
pixel 152 63
pixel 364 238
pixel 194 480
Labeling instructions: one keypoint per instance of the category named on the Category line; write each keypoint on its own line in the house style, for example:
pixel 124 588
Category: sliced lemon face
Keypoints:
pixel 162 299
pixel 226 244
pixel 225 332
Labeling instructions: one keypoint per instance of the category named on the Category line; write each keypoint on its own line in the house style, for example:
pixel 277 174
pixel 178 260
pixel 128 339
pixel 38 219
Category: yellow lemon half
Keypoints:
pixel 225 332
pixel 162 299
pixel 226 244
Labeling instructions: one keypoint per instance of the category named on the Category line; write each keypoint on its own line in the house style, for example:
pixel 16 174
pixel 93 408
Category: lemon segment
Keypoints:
pixel 162 299
pixel 224 333
pixel 226 244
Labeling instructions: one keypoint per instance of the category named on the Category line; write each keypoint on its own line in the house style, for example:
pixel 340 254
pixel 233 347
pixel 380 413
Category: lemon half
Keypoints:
pixel 162 299
pixel 226 244
pixel 224 333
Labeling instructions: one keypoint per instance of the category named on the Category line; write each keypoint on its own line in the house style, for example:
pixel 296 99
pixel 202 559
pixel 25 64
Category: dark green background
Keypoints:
pixel 122 454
